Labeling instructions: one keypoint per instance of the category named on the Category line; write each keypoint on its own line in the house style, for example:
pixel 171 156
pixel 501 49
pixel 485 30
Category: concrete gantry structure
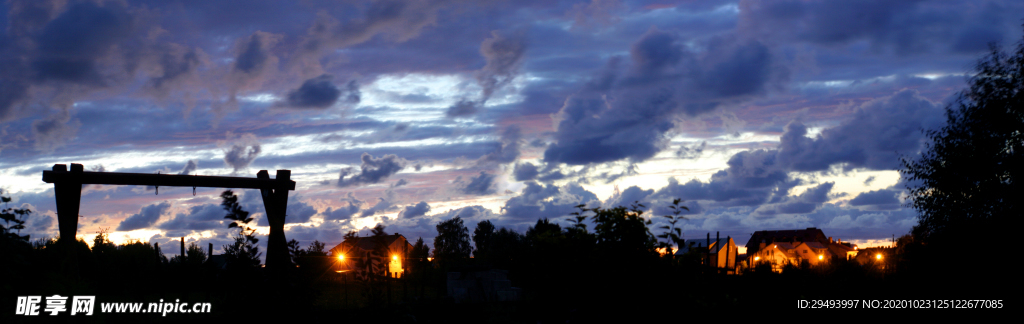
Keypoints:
pixel 67 186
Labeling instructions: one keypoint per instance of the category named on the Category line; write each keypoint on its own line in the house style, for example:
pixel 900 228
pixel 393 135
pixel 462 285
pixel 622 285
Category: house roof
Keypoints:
pixel 810 234
pixel 815 245
pixel 217 261
pixel 368 243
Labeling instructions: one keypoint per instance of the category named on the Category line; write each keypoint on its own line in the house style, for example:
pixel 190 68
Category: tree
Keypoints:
pixel 316 248
pixel 294 250
pixel 101 244
pixel 195 254
pixel 506 248
pixel 482 238
pixel 419 250
pixel 15 215
pixel 623 232
pixel 452 241
pixel 577 219
pixel 243 253
pixel 673 235
pixel 964 184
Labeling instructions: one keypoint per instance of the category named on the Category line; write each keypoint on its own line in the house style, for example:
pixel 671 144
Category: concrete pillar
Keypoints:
pixel 275 201
pixel 68 195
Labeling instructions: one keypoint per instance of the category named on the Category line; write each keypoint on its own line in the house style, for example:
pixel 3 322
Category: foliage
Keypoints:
pixel 482 238
pixel 15 215
pixel 238 216
pixel 195 255
pixel 623 232
pixel 243 253
pixel 579 241
pixel 506 247
pixel 578 217
pixel 964 183
pixel 380 243
pixel 101 244
pixel 351 235
pixel 452 241
pixel 316 248
pixel 420 250
pixel 543 231
pixel 673 234
pixel 294 250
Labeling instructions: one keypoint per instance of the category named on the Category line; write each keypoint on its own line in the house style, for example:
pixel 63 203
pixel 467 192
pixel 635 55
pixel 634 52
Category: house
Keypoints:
pixel 719 253
pixel 217 262
pixel 810 234
pixel 875 256
pixel 793 247
pixel 385 254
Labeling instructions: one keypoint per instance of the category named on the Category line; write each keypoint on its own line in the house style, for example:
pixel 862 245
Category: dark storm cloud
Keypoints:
pixel 624 112
pixel 254 56
pixel 373 170
pixel 691 152
pixel 382 205
pixel 70 45
pixel 469 215
pixel 40 224
pixel 903 26
pixel 198 218
pixel 13 90
pixel 413 211
pixel 508 151
pixel 546 201
pixel 329 232
pixel 175 66
pixel 504 57
pixel 462 108
pixel 317 93
pixel 190 167
pixel 804 203
pixel 626 198
pixel 346 212
pixel 596 13
pixel 479 185
pixel 525 171
pixel 54 131
pixel 26 17
pixel 873 137
pixel 883 199
pixel 298 211
pixel 145 218
pixel 751 179
pixel 242 152
pixel 848 223
pixel 397 20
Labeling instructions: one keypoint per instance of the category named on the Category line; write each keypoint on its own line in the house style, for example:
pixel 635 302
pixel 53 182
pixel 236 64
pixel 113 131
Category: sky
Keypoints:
pixel 759 115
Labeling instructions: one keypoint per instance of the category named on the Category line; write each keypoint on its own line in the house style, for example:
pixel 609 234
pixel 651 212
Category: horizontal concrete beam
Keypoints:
pixel 168 180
